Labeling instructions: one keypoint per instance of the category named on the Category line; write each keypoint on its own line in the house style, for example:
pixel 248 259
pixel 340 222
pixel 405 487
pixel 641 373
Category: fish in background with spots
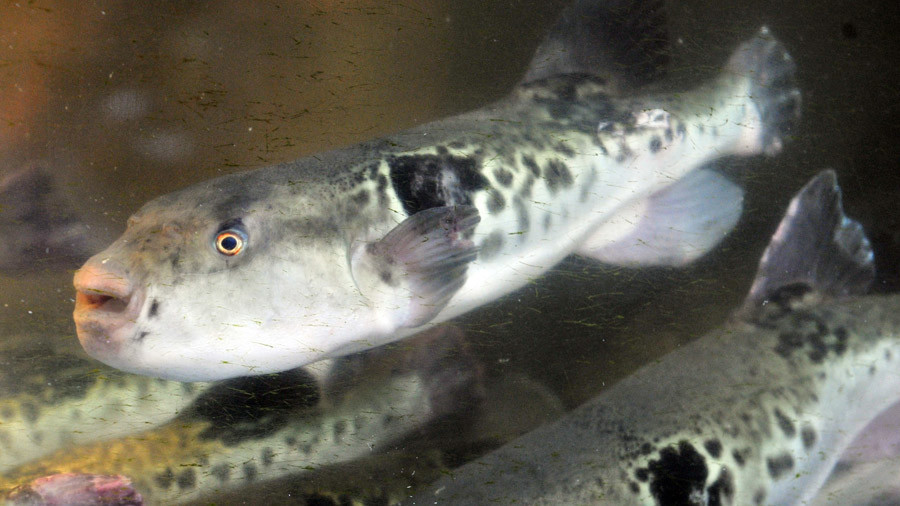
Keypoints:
pixel 272 269
pixel 756 412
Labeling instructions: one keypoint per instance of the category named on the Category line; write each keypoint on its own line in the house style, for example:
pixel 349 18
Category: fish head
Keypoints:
pixel 204 286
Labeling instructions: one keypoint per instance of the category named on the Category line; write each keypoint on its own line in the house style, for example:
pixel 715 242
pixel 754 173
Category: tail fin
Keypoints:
pixel 816 247
pixel 773 87
pixel 624 41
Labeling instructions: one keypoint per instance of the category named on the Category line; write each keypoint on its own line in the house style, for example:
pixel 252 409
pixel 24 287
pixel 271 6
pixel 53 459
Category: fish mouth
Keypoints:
pixel 107 305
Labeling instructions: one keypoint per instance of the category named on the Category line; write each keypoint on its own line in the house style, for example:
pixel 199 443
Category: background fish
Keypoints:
pixel 272 269
pixel 756 412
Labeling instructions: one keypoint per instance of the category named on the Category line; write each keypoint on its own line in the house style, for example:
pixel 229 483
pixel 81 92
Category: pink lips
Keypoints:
pixel 106 307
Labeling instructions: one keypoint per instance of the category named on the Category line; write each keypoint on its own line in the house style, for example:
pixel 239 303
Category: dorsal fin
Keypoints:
pixel 816 248
pixel 624 41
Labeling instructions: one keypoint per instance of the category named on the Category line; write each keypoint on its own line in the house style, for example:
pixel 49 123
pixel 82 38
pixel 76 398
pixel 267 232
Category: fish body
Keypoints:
pixel 272 269
pixel 253 430
pixel 756 412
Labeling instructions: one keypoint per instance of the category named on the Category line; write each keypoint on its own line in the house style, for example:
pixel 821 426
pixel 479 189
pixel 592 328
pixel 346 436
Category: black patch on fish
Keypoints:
pixel 678 474
pixel 360 198
pixel 495 201
pixel 340 428
pixel 557 175
pixel 187 479
pixel 808 436
pixel 250 471
pixel 154 309
pixel 425 181
pixel 267 457
pixel 30 412
pixel 564 149
pixel 142 335
pixel 759 496
pixel 642 474
pixel 635 488
pixel 525 192
pixel 655 144
pixel 713 447
pixel 722 488
pixel 491 245
pixel 531 165
pixel 253 407
pixel 779 465
pixel 503 177
pixel 222 472
pixel 785 423
pixel 165 479
pixel 740 456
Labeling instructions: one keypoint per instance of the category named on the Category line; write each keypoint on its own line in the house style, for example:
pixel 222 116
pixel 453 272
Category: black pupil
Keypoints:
pixel 228 243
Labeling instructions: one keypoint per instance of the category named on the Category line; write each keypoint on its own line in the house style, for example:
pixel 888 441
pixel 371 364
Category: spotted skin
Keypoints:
pixel 756 412
pixel 545 169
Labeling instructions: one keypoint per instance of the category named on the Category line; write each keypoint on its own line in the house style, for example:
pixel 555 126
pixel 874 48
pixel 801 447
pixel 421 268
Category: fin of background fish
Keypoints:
pixel 623 41
pixel 674 226
pixel 844 263
pixel 415 269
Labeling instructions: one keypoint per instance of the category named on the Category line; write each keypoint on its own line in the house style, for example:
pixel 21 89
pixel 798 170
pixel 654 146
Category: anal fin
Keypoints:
pixel 418 266
pixel 674 226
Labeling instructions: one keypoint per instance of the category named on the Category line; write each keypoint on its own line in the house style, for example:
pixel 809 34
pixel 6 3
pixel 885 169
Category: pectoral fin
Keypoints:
pixel 673 227
pixel 419 265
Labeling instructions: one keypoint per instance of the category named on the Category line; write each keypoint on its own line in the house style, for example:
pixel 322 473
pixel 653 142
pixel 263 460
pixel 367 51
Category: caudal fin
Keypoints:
pixel 773 87
pixel 816 248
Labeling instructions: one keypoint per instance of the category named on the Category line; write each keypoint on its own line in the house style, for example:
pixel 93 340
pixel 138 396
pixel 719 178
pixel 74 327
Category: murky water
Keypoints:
pixel 119 103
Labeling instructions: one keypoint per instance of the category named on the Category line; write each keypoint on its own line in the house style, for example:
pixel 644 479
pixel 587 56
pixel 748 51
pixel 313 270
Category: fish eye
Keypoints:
pixel 230 242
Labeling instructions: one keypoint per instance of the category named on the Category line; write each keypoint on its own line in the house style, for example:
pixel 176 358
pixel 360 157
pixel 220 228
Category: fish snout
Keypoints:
pixel 107 305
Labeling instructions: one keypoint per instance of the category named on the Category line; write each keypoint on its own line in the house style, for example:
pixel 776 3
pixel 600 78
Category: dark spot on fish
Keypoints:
pixel 154 309
pixel 222 472
pixel 740 456
pixel 373 169
pixel 142 335
pixel 635 488
pixel 360 198
pixel 426 181
pixel 382 183
pixel 722 488
pixel 305 448
pixel 715 131
pixel 669 135
pixel 525 192
pixel 495 201
pixel 187 479
pixel 701 129
pixel 642 474
pixel 655 144
pixel 267 457
pixel 524 222
pixel 682 130
pixel 165 479
pixel 290 441
pixel 252 407
pixel 646 449
pixel 564 149
pixel 491 245
pixel 340 428
pixel 678 474
pixel 531 165
pixel 808 436
pixel 557 175
pixel 29 411
pixel 250 471
pixel 713 447
pixel 840 335
pixel 457 144
pixel 442 150
pixel 759 496
pixel 887 355
pixel 503 177
pixel 785 423
pixel 548 221
pixel 779 465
